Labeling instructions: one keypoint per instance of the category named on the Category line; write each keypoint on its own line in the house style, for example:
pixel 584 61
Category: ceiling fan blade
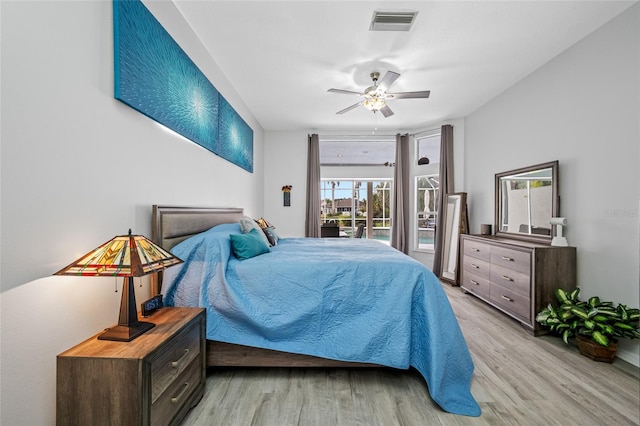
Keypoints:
pixel 346 92
pixel 386 111
pixel 388 80
pixel 347 109
pixel 409 95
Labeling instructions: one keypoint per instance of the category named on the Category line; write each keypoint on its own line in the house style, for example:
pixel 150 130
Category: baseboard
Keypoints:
pixel 630 355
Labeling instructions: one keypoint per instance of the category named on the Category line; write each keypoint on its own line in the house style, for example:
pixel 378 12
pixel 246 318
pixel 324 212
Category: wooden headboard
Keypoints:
pixel 171 225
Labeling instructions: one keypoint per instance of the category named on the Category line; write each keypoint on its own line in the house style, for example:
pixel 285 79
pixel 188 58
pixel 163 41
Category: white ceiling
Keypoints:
pixel 282 56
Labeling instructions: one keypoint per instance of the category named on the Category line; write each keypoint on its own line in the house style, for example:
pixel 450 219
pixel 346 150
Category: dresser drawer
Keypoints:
pixel 511 301
pixel 476 283
pixel 478 250
pixel 512 259
pixel 511 279
pixel 477 267
pixel 176 356
pixel 171 400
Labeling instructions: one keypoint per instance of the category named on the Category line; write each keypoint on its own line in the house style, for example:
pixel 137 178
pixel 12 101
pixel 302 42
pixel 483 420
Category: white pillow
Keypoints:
pixel 247 224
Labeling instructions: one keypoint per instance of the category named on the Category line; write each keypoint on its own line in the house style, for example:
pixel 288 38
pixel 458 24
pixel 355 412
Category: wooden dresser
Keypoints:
pixel 152 380
pixel 517 277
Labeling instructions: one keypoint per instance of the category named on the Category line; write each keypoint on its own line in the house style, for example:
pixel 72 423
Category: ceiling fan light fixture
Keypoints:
pixel 374 103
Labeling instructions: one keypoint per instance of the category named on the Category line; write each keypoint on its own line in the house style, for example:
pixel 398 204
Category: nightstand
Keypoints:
pixel 153 380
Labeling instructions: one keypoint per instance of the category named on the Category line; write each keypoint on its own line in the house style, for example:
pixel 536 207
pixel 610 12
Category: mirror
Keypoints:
pixel 455 223
pixel 526 199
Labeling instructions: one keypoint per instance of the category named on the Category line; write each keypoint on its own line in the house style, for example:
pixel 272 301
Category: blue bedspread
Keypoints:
pixel 345 299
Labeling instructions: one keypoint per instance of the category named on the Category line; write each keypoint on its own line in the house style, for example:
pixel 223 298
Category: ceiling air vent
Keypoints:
pixel 392 21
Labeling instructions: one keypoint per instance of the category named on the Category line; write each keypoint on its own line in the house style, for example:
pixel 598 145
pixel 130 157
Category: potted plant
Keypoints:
pixel 596 324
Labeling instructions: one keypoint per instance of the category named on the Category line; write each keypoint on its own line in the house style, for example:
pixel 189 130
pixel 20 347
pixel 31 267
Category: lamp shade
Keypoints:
pixel 122 256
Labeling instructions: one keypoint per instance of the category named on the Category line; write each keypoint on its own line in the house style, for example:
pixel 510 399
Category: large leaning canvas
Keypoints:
pixel 156 77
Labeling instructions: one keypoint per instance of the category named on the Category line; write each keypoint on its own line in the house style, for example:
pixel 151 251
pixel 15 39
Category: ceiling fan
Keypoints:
pixel 376 96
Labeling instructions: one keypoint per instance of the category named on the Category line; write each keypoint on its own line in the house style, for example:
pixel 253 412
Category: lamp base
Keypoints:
pixel 124 333
pixel 559 242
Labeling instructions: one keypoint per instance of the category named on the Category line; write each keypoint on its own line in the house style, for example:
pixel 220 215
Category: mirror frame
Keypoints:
pixel 555 202
pixel 453 227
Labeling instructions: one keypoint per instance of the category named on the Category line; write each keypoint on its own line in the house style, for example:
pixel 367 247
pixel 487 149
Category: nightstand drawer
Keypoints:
pixel 175 358
pixel 167 405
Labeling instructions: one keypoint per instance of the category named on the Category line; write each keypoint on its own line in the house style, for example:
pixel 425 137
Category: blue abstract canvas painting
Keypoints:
pixel 156 77
pixel 235 142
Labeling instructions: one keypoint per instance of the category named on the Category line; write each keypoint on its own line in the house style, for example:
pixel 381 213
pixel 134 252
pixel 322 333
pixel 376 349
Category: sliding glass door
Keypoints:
pixel 350 203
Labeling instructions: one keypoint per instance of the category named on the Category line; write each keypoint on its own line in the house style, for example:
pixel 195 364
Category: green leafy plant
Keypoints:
pixel 594 319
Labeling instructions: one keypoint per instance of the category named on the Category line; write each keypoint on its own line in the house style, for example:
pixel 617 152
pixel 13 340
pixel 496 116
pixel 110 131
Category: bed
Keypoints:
pixel 313 302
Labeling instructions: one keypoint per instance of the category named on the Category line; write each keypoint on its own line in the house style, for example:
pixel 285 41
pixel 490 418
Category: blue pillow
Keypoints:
pixel 251 244
pixel 271 236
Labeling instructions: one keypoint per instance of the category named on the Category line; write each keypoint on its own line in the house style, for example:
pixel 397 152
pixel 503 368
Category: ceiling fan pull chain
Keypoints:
pixel 375 123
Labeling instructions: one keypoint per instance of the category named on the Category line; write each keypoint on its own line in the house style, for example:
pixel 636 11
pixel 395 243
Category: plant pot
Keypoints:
pixel 597 352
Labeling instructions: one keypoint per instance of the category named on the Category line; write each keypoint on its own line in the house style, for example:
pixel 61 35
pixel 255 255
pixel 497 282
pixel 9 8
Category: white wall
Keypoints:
pixel 285 160
pixel 79 167
pixel 583 109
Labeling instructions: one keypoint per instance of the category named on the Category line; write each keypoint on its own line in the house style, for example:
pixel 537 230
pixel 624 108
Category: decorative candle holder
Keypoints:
pixel 286 195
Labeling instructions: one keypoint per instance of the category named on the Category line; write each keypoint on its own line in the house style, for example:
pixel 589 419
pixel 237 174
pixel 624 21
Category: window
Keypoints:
pixel 427 185
pixel 350 203
pixel 426 210
pixel 428 147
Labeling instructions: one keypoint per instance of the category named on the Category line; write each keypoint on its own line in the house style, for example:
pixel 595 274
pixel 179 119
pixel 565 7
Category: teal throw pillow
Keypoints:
pixel 251 244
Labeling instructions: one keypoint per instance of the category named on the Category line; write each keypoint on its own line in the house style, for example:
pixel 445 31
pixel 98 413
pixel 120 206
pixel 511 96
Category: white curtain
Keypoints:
pixel 400 202
pixel 312 222
pixel 446 187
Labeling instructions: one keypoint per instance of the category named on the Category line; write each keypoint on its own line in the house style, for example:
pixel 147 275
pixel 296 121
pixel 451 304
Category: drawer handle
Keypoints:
pixel 473 265
pixel 179 396
pixel 475 282
pixel 175 364
pixel 504 277
pixel 475 249
pixel 510 259
pixel 508 299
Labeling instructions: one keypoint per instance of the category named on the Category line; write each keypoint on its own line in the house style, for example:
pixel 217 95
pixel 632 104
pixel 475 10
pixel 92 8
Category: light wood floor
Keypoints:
pixel 518 380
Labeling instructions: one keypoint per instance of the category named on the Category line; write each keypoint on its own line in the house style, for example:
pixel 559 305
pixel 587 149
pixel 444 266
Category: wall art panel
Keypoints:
pixel 156 77
pixel 235 141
